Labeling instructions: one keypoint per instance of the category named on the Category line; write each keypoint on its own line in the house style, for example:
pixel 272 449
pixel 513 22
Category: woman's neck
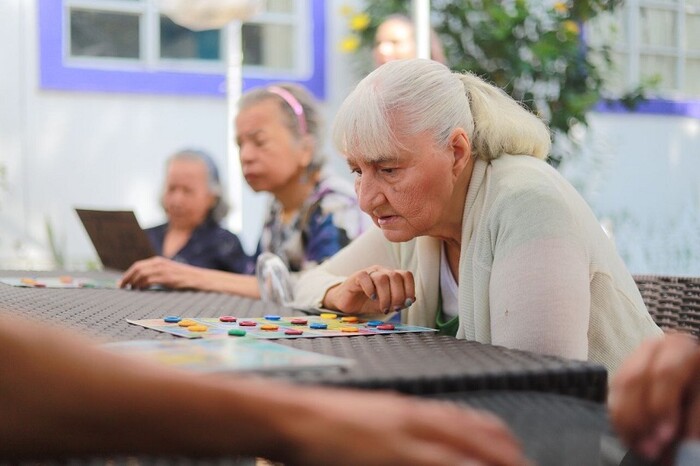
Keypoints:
pixel 293 195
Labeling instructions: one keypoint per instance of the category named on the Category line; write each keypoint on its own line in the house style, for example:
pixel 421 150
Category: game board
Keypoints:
pixel 336 326
pixel 63 281
pixel 228 355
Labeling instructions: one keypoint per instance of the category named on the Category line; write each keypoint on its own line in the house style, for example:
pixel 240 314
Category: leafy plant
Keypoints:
pixel 535 50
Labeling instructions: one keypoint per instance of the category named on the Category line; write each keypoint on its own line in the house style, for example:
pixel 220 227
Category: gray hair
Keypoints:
pixel 311 115
pixel 413 96
pixel 221 205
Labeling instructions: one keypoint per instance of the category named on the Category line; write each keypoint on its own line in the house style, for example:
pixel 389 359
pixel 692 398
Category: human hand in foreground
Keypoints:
pixel 63 397
pixel 654 399
pixel 372 290
pixel 159 271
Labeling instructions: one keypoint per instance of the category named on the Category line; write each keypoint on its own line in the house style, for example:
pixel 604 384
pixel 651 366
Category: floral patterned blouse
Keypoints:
pixel 328 220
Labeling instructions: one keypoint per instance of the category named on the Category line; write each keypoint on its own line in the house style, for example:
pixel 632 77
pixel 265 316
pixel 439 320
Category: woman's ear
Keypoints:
pixel 461 150
pixel 308 147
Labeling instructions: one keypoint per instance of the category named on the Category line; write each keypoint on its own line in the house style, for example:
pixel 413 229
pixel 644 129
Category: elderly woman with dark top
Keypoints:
pixel 194 205
pixel 312 214
pixel 477 235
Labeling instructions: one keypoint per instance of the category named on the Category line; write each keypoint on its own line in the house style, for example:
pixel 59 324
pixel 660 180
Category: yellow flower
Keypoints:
pixel 561 8
pixel 570 26
pixel 349 44
pixel 346 10
pixel 359 22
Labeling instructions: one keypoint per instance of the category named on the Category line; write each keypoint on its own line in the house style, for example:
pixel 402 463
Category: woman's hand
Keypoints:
pixel 159 271
pixel 372 290
pixel 654 399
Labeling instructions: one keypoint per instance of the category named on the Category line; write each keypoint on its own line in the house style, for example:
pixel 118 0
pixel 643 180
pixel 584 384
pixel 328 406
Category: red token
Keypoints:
pixel 293 331
pixel 299 321
pixel 385 327
pixel 227 319
pixel 247 323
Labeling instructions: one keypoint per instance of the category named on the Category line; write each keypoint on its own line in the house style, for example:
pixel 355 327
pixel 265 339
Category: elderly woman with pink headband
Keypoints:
pixel 312 214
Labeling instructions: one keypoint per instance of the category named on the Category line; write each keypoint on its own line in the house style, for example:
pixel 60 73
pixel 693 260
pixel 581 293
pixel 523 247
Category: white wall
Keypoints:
pixel 641 175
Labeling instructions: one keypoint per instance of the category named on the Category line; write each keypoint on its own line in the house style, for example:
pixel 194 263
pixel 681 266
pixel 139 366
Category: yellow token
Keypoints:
pixel 349 319
pixel 269 327
pixel 28 281
pixel 197 328
pixel 349 329
pixel 328 315
pixel 186 323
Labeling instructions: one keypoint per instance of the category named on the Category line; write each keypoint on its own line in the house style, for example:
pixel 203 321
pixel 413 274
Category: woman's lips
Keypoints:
pixel 386 220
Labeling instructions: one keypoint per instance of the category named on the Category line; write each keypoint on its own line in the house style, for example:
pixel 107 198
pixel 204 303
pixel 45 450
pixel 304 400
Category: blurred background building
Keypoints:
pixel 97 93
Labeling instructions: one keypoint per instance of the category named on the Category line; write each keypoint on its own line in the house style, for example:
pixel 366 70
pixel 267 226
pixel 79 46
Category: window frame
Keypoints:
pixel 60 72
pixel 674 103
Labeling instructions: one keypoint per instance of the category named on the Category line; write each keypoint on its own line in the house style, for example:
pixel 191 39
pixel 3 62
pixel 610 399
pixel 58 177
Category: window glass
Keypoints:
pixel 279 6
pixel 269 45
pixel 104 34
pixel 692 32
pixel 177 42
pixel 661 67
pixel 658 27
pixel 692 77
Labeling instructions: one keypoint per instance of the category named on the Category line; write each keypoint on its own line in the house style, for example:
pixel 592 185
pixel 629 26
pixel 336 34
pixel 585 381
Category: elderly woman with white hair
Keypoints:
pixel 476 234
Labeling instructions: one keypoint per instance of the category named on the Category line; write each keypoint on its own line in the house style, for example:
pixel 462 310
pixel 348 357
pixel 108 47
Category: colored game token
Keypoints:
pixel 374 323
pixel 65 279
pixel 197 328
pixel 172 319
pixel 186 323
pixel 227 319
pixel 385 327
pixel 293 331
pixel 28 281
pixel 319 325
pixel 349 329
pixel 269 327
pixel 299 321
pixel 349 319
pixel 237 332
pixel 272 317
pixel 328 315
pixel 247 323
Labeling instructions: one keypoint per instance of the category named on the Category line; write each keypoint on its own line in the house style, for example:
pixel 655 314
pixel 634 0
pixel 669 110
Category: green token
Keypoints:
pixel 237 332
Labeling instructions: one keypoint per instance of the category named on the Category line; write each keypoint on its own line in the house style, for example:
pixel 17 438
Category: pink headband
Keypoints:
pixel 293 103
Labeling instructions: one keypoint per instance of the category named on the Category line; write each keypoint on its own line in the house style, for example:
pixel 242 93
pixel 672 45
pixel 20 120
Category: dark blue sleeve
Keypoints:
pixel 230 255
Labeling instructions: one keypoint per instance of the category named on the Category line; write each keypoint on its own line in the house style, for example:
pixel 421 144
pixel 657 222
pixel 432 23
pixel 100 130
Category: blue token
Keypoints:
pixel 172 319
pixel 318 325
pixel 374 323
pixel 272 317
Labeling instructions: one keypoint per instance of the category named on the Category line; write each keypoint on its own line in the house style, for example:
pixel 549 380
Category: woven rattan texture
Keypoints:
pixel 673 302
pixel 410 363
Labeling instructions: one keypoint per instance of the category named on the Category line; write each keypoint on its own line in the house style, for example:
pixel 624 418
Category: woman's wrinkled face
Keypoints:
pixel 406 193
pixel 271 157
pixel 394 40
pixel 187 198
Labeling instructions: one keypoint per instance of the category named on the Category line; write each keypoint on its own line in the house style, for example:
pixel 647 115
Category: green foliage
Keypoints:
pixel 533 49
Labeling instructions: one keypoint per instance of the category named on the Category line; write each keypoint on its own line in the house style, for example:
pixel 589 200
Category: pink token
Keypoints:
pixel 247 323
pixel 299 321
pixel 293 331
pixel 385 327
pixel 227 319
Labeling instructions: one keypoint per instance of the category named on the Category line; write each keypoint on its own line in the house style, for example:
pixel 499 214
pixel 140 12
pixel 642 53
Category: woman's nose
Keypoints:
pixel 369 194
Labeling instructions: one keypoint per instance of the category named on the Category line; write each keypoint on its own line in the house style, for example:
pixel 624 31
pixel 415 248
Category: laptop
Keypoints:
pixel 116 236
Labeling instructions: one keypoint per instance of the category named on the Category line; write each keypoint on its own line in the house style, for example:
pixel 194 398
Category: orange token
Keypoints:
pixel 349 319
pixel 186 323
pixel 349 329
pixel 269 327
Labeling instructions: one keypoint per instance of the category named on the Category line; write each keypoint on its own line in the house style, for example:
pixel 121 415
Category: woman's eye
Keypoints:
pixel 388 171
